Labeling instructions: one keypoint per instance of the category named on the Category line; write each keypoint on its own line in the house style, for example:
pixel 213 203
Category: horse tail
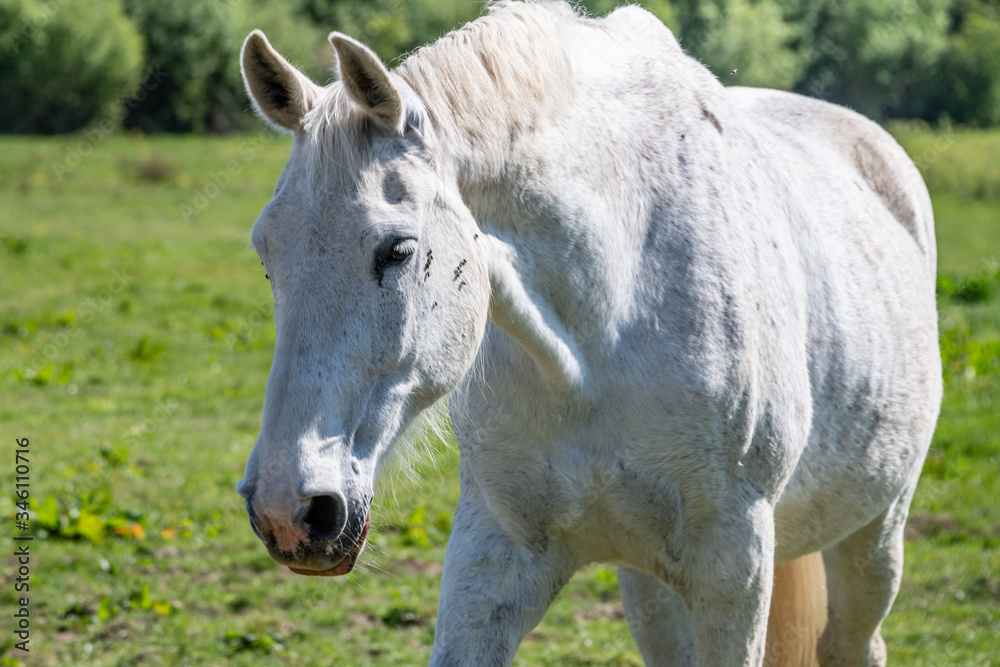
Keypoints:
pixel 798 612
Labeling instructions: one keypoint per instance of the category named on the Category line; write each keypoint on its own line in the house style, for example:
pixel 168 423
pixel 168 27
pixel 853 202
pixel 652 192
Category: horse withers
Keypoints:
pixel 683 329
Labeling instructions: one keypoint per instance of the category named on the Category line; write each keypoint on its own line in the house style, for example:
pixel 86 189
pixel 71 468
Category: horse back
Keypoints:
pixel 874 155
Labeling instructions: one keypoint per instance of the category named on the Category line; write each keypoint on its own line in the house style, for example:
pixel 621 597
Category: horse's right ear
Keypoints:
pixel 281 93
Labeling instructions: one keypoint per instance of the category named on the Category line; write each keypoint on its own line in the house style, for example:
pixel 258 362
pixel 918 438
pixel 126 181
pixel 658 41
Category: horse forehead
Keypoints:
pixel 303 202
pixel 303 225
pixel 281 221
pixel 322 192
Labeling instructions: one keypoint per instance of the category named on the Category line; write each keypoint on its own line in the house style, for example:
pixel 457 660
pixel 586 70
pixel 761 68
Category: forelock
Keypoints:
pixel 337 138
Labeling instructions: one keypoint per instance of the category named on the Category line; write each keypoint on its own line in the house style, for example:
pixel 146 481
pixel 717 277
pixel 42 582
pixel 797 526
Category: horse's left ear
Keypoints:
pixel 367 81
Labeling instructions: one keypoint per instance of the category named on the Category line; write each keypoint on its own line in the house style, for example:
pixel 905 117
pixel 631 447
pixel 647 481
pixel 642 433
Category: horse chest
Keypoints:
pixel 613 485
pixel 590 503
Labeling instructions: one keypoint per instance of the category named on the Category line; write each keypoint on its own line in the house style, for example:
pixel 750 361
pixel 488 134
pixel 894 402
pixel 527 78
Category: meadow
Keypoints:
pixel 136 333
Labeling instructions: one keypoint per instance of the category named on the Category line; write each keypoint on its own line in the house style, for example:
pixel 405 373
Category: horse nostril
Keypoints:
pixel 326 517
pixel 245 489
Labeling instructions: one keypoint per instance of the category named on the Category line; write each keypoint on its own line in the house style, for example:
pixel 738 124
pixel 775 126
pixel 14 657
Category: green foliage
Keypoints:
pixel 109 607
pixel 91 514
pixel 965 83
pixel 193 46
pixel 964 356
pixel 969 289
pixel 391 27
pixel 870 55
pixel 662 9
pixel 146 350
pixel 401 616
pixel 14 245
pixel 961 162
pixel 416 529
pixel 188 45
pixel 302 42
pixel 751 37
pixel 253 641
pixel 65 64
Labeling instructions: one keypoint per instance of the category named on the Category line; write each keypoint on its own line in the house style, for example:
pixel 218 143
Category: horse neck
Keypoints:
pixel 565 164
pixel 569 253
pixel 575 197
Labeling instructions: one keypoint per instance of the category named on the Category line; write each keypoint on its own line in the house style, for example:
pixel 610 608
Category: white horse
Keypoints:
pixel 684 329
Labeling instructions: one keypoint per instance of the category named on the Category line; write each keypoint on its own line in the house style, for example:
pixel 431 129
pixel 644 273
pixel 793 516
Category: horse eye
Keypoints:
pixel 398 252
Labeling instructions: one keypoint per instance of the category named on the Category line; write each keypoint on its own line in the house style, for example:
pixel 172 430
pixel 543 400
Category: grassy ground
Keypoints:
pixel 135 338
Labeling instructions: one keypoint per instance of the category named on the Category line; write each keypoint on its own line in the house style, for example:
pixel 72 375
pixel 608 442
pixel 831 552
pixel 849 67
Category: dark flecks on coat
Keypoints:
pixel 712 118
pixel 427 265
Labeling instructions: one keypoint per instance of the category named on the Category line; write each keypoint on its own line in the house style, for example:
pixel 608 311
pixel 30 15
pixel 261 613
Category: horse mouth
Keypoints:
pixel 346 564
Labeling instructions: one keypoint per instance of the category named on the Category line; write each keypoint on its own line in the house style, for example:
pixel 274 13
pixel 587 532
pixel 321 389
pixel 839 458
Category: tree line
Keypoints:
pixel 159 66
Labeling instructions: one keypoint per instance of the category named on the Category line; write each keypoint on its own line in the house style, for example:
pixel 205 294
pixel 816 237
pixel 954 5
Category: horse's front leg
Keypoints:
pixel 658 620
pixel 494 589
pixel 726 583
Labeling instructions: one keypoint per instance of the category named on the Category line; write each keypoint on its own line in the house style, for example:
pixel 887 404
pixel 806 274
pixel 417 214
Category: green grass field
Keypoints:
pixel 136 334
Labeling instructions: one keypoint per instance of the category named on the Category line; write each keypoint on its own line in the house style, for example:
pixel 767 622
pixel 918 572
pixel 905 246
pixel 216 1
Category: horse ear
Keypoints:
pixel 367 81
pixel 281 93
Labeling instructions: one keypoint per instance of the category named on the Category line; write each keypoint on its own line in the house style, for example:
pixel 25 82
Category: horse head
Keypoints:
pixel 381 292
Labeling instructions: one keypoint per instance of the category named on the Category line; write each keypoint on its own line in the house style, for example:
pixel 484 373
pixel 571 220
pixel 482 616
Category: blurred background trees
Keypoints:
pixel 65 64
pixel 172 66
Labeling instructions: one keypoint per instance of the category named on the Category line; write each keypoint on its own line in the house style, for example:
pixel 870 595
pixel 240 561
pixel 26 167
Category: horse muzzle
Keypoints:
pixel 323 537
pixel 345 564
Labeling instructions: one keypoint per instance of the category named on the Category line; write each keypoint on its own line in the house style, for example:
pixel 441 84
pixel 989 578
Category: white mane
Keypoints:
pixel 496 75
pixel 482 83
